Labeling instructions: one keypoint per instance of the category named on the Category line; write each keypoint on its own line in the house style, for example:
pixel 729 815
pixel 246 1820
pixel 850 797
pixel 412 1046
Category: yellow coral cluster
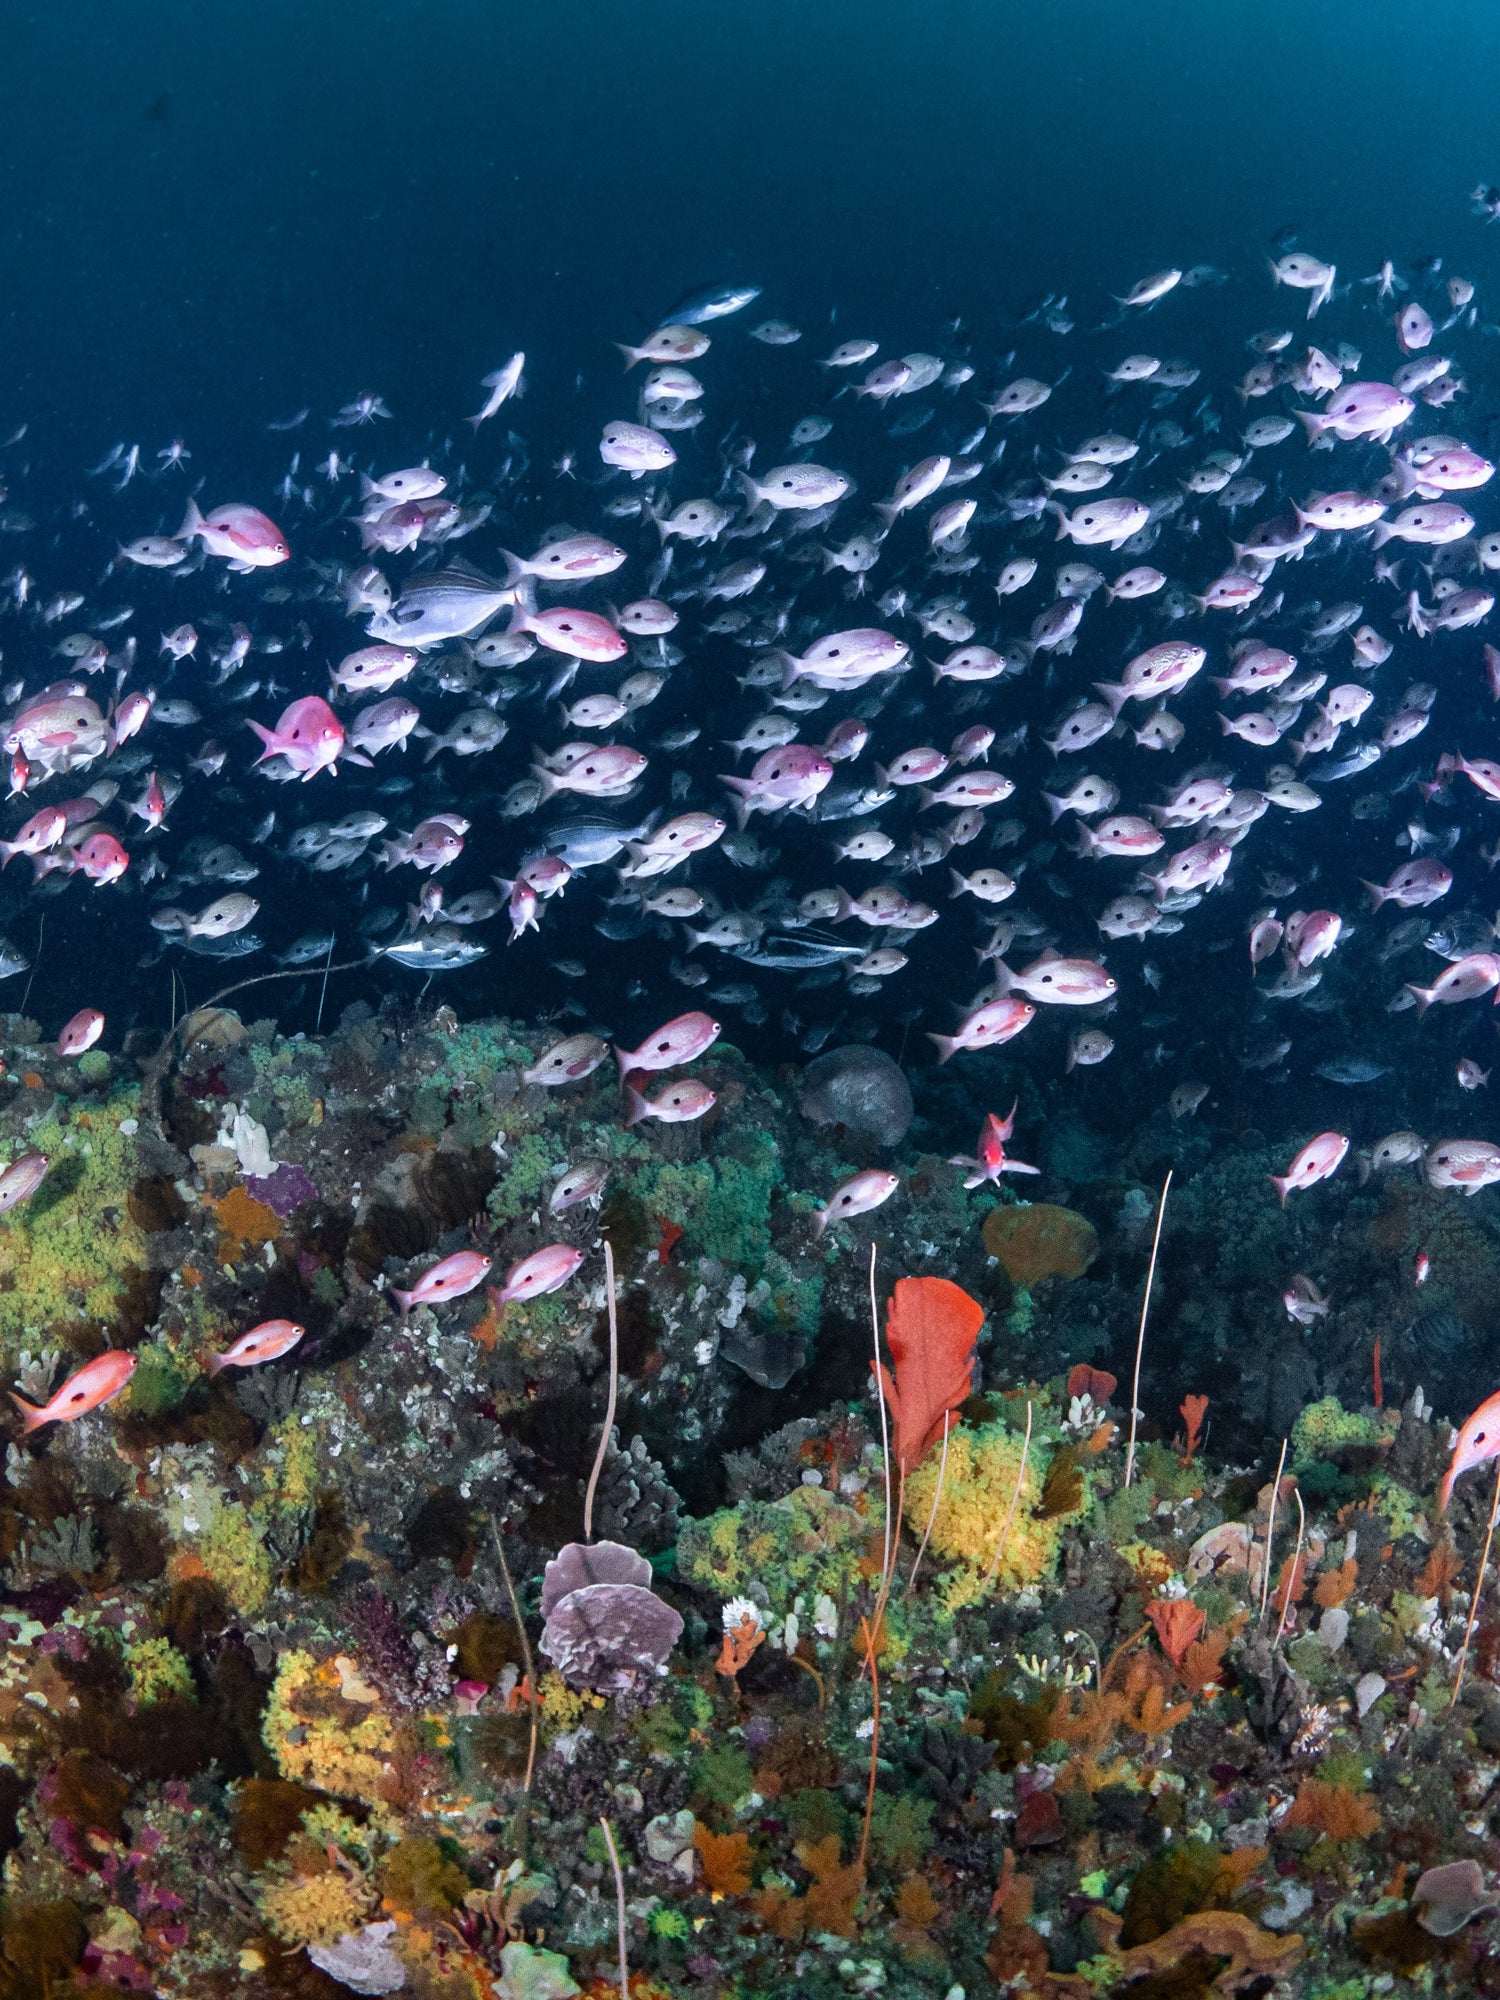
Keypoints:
pixel 67 1254
pixel 319 1738
pixel 315 1909
pixel 979 1484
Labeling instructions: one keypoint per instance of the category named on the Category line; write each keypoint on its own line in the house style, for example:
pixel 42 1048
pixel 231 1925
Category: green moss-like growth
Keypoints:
pixel 158 1384
pixel 68 1253
pixel 93 1065
pixel 420 1879
pixel 525 1173
pixel 157 1671
pixel 1326 1428
pixel 809 1542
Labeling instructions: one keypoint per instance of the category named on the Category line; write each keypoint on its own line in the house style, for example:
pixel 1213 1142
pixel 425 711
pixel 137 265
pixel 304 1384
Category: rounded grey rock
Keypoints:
pixel 862 1090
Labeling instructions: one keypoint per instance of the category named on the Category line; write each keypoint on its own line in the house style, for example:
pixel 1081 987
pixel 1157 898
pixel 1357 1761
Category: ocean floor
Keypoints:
pixel 337 1672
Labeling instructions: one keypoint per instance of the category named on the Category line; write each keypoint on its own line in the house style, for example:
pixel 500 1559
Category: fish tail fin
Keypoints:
pixel 515 569
pixel 887 513
pixel 1281 1183
pixel 1055 806
pixel 523 608
pixel 946 1044
pixel 1380 534
pixel 1062 520
pixel 750 490
pixel 213 1363
pixel 791 667
pixel 1314 422
pixel 192 522
pixel 1423 995
pixel 268 738
pixel 819 1222
pixel 960 884
pixel 31 1417
pixel 403 1299
pixel 1445 1489
pixel 636 1107
pixel 1378 895
pixel 631 354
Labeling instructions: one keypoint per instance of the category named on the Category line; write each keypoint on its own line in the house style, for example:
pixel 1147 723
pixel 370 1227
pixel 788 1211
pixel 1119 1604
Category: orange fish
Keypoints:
pixel 1478 1442
pixel 99 1382
pixel 266 1342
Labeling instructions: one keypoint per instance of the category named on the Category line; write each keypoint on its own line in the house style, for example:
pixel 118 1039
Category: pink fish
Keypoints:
pixel 681 1040
pixel 456 1275
pixel 1467 1164
pixel 42 831
pixel 21 1179
pixel 1478 1443
pixel 1414 884
pixel 100 857
pixel 1060 982
pixel 791 775
pixel 857 1196
pixel 581 1183
pixel 433 844
pixel 1465 979
pixel 582 635
pixel 543 1271
pixel 846 740
pixel 991 1160
pixel 130 715
pixel 245 537
pixel 521 909
pixel 95 1384
pixel 266 1342
pixel 1318 1159
pixel 1312 935
pixel 674 1104
pixel 1264 938
pixel 971 744
pixel 81 1033
pixel 998 1021
pixel 1200 866
pixel 970 788
pixel 603 770
pixel 308 735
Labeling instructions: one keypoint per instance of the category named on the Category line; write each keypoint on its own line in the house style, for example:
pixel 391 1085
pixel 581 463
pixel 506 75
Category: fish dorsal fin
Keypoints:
pixel 461 570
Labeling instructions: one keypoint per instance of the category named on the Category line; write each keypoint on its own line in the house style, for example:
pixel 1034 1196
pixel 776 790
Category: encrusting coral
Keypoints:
pixel 302 1688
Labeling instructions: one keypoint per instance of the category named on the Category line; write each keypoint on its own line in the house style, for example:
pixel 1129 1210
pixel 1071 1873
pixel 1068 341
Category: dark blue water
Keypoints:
pixel 212 215
pixel 213 220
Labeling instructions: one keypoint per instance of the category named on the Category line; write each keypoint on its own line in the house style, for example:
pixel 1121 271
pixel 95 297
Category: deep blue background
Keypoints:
pixel 346 195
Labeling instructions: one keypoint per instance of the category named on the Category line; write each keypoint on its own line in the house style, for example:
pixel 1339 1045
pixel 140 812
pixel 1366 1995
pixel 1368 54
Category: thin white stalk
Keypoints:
pixel 885 1436
pixel 1140 1339
pixel 1265 1581
pixel 932 1513
pixel 614 1390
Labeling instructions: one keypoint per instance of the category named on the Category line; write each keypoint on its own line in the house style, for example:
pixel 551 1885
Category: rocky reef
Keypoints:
pixel 363 1669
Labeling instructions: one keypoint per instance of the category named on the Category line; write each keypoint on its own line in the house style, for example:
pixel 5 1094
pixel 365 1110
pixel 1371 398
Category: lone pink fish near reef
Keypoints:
pixel 95 1384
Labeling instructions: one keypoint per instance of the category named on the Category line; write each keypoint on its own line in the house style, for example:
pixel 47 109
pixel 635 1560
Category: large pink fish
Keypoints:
pixel 245 537
pixel 987 1027
pixel 543 1271
pixel 451 1279
pixel 1318 1159
pixel 1478 1442
pixel 308 735
pixel 681 1040
pixel 266 1342
pixel 98 1382
pixel 583 635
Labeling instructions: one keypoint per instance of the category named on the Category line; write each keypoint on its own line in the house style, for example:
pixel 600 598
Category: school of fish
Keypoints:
pixel 1102 652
